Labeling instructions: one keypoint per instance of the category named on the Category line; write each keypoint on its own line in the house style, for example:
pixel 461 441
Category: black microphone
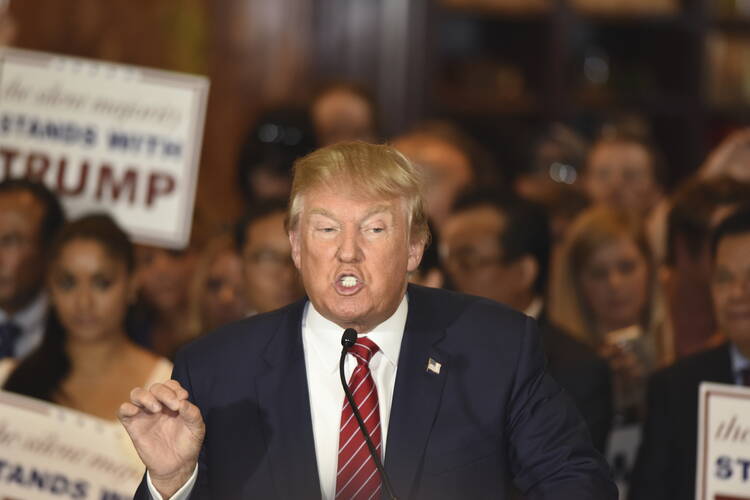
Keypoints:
pixel 348 339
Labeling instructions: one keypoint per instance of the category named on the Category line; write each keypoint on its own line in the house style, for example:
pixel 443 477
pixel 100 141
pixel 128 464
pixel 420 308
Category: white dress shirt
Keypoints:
pixel 31 322
pixel 321 341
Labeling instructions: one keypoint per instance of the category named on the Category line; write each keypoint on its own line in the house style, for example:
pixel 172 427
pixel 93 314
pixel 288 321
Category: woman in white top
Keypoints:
pixel 86 361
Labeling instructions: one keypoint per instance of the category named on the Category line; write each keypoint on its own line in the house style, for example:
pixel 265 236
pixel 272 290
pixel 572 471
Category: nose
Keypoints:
pixel 740 289
pixel 615 279
pixel 84 299
pixel 349 248
pixel 227 294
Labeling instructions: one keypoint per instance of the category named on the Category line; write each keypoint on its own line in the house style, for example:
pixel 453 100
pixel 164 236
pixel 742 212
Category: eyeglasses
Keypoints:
pixel 471 262
pixel 270 260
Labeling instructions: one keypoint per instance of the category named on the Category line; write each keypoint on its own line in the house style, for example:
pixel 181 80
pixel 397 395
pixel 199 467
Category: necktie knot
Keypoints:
pixel 363 350
pixel 9 333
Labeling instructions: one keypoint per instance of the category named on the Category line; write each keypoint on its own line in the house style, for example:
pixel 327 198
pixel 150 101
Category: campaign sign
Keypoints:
pixel 47 451
pixel 723 471
pixel 105 137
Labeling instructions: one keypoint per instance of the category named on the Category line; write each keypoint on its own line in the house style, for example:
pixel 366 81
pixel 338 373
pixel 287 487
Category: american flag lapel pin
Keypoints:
pixel 433 366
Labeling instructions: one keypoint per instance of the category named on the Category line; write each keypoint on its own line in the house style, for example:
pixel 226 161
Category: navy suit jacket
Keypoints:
pixel 668 455
pixel 490 417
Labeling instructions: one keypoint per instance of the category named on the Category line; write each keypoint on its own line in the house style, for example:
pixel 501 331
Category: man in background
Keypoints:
pixel 30 217
pixel 697 208
pixel 497 246
pixel 666 464
pixel 271 281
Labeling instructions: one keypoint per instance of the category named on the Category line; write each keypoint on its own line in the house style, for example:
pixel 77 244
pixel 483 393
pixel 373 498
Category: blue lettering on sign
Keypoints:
pixel 111 495
pixel 745 467
pixel 45 481
pixel 147 144
pixel 728 467
pixel 65 132
pixel 723 467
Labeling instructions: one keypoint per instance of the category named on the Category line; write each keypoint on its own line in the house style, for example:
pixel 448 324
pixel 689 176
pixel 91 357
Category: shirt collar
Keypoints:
pixel 31 317
pixel 739 362
pixel 326 335
pixel 535 308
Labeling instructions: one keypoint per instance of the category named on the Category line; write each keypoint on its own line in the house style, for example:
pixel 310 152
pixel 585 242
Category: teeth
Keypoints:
pixel 349 281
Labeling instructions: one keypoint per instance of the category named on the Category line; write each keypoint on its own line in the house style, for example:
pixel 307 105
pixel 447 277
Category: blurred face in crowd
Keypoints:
pixel 163 276
pixel 614 283
pixel 473 257
pixel 731 289
pixel 271 281
pixel 224 297
pixel 341 115
pixel 354 254
pixel 90 290
pixel 21 258
pixel 448 172
pixel 621 174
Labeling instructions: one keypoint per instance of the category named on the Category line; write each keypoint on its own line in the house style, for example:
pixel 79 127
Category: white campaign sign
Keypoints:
pixel 723 471
pixel 51 452
pixel 105 137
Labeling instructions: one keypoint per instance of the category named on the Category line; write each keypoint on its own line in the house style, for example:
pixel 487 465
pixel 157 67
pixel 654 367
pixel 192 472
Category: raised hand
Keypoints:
pixel 167 431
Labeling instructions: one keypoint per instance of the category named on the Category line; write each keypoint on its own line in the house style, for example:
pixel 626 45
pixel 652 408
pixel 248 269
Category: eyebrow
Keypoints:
pixel 383 208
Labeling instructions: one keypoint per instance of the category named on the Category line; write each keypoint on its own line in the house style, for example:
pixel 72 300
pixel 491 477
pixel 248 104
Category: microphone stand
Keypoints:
pixel 348 340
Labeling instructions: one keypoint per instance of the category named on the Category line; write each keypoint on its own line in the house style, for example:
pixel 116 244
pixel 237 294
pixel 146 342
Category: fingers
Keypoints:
pixel 190 414
pixel 167 396
pixel 145 399
pixel 177 388
pixel 127 410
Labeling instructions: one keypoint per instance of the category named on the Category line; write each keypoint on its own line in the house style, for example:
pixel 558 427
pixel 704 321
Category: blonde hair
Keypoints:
pixel 590 231
pixel 372 170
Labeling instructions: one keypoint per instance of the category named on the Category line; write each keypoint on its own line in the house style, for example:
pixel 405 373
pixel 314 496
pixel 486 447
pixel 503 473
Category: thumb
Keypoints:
pixel 191 415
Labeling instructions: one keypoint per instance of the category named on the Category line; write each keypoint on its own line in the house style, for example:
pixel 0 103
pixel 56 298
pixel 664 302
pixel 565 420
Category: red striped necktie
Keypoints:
pixel 357 476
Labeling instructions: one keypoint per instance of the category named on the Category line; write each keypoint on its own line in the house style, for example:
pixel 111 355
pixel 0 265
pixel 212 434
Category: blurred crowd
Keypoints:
pixel 640 292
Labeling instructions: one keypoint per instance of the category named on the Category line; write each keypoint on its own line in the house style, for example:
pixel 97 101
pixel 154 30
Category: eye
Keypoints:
pixel 65 282
pixel 102 282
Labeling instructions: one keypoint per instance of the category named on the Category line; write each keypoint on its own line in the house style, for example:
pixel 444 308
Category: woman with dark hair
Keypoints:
pixel 86 361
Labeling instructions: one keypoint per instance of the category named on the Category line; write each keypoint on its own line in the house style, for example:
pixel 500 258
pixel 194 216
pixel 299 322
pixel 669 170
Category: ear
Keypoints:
pixel 295 242
pixel 528 270
pixel 416 249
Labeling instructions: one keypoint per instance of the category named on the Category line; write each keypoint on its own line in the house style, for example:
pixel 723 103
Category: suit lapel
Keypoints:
pixel 416 396
pixel 285 406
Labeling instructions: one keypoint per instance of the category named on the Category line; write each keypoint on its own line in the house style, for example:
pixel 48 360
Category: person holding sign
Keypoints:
pixel 666 465
pixel 85 360
pixel 458 403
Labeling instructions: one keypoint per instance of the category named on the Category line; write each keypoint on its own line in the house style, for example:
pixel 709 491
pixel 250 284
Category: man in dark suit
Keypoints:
pixel 496 245
pixel 666 464
pixel 451 388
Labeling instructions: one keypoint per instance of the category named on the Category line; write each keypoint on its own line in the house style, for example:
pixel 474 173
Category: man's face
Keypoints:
pixel 731 289
pixel 21 258
pixel 164 276
pixel 620 174
pixel 354 254
pixel 341 115
pixel 271 280
pixel 470 249
pixel 447 171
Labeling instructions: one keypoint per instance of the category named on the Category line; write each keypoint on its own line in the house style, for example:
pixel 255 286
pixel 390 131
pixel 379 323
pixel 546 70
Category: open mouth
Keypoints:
pixel 348 284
